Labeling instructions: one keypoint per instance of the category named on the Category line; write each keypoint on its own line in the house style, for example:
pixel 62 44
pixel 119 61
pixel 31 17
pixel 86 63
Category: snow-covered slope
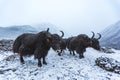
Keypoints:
pixel 65 67
pixel 12 32
pixel 111 36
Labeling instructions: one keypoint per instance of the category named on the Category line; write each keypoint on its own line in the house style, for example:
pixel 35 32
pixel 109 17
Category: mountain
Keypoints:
pixel 12 32
pixel 53 28
pixel 111 36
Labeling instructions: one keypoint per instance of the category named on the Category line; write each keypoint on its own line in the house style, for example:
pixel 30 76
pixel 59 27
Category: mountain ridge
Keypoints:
pixel 11 32
pixel 111 36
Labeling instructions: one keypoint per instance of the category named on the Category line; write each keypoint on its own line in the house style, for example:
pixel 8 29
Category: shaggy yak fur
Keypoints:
pixel 56 42
pixel 79 44
pixel 33 44
pixel 63 46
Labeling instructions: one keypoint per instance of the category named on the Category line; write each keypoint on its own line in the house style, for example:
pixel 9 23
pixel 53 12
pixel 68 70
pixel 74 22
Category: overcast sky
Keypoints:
pixel 75 16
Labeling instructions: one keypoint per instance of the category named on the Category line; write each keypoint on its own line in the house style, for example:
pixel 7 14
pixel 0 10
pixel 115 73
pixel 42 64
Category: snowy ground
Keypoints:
pixel 65 67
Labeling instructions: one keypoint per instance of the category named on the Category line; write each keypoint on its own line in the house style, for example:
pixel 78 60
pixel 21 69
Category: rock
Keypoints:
pixel 107 50
pixel 6 45
pixel 108 64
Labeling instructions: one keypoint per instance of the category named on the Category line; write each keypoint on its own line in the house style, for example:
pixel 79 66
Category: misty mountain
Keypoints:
pixel 53 28
pixel 111 36
pixel 12 32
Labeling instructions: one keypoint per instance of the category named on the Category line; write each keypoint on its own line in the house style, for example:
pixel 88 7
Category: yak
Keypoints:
pixel 79 44
pixel 33 44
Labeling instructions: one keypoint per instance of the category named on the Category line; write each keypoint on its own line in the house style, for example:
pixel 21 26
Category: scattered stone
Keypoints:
pixel 53 65
pixel 1 72
pixel 61 58
pixel 6 45
pixel 10 58
pixel 5 70
pixel 108 64
pixel 107 50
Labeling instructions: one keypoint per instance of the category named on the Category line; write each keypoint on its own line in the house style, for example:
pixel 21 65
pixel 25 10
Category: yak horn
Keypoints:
pixel 99 35
pixel 92 35
pixel 47 29
pixel 62 33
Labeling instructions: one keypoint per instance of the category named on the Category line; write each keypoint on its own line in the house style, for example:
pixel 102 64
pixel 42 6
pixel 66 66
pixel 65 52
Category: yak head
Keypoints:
pixel 56 41
pixel 46 36
pixel 95 41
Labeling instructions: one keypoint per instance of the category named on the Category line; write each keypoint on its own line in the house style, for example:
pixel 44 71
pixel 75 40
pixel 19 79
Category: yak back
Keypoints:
pixel 84 40
pixel 31 41
pixel 80 41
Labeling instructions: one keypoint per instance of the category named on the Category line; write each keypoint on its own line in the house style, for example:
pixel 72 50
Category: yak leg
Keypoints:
pixel 81 55
pixel 38 55
pixel 44 61
pixel 80 52
pixel 21 59
pixel 21 51
pixel 70 52
pixel 60 53
pixel 39 63
pixel 73 53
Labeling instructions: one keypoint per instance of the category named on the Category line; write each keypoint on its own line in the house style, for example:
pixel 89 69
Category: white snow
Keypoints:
pixel 4 54
pixel 65 67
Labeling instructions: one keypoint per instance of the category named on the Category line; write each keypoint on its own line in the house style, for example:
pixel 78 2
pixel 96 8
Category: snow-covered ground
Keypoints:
pixel 65 67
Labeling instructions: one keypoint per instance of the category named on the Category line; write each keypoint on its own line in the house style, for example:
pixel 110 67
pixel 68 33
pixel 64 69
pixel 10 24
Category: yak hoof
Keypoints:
pixel 39 65
pixel 73 54
pixel 81 57
pixel 59 54
pixel 45 63
pixel 23 62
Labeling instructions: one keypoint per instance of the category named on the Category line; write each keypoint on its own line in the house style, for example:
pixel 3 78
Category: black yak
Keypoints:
pixel 33 44
pixel 79 44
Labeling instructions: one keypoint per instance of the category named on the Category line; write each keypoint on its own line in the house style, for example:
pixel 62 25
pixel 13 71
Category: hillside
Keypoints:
pixel 65 67
pixel 111 36
pixel 11 32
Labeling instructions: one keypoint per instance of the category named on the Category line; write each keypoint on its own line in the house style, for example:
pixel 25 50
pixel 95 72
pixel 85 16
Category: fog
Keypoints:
pixel 73 16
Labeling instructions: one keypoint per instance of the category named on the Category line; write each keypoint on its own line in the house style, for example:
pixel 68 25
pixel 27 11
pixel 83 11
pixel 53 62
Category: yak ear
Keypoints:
pixel 47 29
